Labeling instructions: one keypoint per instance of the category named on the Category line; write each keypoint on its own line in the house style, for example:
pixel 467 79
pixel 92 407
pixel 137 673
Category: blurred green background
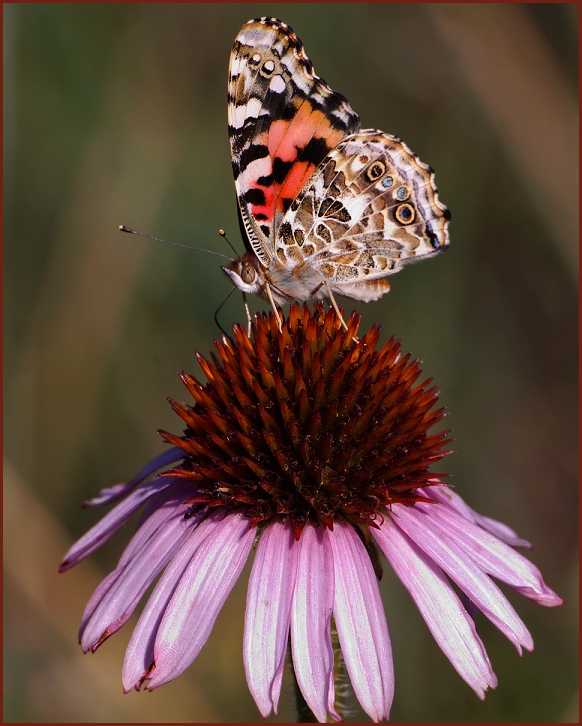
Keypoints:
pixel 117 114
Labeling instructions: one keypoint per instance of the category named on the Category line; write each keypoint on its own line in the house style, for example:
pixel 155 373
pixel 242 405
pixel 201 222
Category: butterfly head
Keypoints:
pixel 247 274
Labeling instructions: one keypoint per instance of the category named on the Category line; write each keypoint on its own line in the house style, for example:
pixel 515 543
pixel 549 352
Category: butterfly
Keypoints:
pixel 324 206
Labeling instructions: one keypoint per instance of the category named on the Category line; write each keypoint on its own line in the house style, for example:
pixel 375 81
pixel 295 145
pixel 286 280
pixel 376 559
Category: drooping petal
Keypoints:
pixel 311 623
pixel 109 495
pixel 139 656
pixel 168 530
pixel 199 596
pixel 98 594
pixel 361 623
pixel 448 497
pixel 462 569
pixel 493 556
pixel 166 501
pixel 100 532
pixel 268 613
pixel 448 621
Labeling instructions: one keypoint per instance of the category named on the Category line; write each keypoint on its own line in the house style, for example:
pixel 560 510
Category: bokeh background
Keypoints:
pixel 116 114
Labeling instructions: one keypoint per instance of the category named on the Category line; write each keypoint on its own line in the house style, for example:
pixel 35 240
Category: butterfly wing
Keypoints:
pixel 283 121
pixel 370 207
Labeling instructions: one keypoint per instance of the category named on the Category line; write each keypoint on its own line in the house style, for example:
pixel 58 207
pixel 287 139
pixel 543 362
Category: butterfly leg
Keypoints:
pixel 279 321
pixel 248 312
pixel 218 309
pixel 335 305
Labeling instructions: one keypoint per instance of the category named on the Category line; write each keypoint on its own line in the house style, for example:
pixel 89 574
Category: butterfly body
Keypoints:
pixel 286 283
pixel 326 207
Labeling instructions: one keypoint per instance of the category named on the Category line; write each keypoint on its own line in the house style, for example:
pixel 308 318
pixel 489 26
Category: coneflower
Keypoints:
pixel 317 444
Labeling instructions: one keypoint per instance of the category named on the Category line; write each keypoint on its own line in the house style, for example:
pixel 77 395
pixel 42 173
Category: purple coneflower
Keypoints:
pixel 316 444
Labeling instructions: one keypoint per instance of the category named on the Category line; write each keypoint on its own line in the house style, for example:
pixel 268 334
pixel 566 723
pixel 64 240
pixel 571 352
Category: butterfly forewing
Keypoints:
pixel 283 121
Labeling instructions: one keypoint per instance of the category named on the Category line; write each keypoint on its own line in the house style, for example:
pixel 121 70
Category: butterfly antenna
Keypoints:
pixel 222 233
pixel 123 228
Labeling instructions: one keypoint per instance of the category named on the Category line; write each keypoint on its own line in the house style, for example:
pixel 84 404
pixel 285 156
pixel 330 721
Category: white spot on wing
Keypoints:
pixel 256 169
pixel 356 205
pixel 277 84
pixel 253 107
pixel 238 116
pixel 251 110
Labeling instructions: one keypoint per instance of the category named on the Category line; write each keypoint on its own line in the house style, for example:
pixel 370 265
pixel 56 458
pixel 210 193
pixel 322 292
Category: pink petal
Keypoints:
pixel 139 656
pixel 447 619
pixel 462 569
pixel 311 623
pixel 100 532
pixel 445 495
pixel 181 491
pixel 165 510
pixel 361 623
pixel 492 555
pixel 200 594
pixel 109 495
pixel 135 575
pixel 268 613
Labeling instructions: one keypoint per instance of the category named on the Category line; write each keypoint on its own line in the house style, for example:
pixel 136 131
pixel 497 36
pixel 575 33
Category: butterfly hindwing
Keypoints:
pixel 370 207
pixel 283 121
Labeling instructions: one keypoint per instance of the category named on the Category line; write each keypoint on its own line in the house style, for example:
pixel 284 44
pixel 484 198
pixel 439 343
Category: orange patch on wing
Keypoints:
pixel 285 141
pixel 268 208
pixel 331 135
pixel 286 137
pixel 295 180
pixel 277 132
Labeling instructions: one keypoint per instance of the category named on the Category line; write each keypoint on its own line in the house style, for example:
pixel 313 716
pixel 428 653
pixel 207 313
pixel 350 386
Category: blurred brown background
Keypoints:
pixel 117 114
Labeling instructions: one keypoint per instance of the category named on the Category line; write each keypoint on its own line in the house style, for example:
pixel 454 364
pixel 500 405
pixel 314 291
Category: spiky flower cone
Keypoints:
pixel 307 424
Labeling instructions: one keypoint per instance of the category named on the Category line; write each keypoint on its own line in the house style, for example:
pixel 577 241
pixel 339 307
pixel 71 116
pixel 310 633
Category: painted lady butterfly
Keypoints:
pixel 325 206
